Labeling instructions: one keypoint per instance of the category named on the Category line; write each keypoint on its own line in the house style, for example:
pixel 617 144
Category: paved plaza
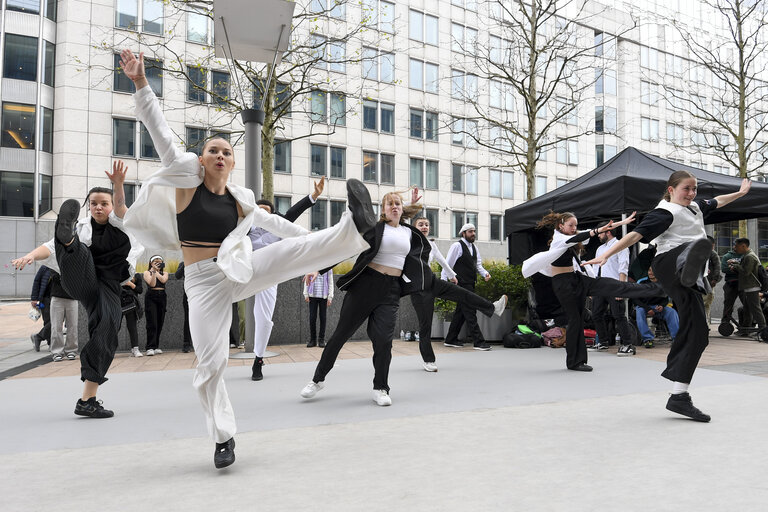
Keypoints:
pixel 499 430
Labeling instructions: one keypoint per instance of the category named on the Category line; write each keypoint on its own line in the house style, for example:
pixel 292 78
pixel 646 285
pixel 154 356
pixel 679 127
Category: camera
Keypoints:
pixel 161 266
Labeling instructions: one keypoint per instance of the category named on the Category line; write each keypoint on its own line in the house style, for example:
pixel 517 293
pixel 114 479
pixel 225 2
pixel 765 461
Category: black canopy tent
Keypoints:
pixel 631 181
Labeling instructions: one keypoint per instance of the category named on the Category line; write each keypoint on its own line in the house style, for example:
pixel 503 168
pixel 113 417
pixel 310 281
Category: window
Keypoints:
pixel 46 144
pixel 541 185
pixel 28 6
pixel 369 166
pixel 197 26
pixel 338 109
pixel 318 159
pixel 153 16
pixel 675 134
pixel 649 58
pixel 423 27
pixel 127 14
pixel 379 16
pixel 433 216
pixel 649 129
pixel 49 63
pixel 698 138
pixel 573 152
pixel 473 134
pixel 17 194
pixel 370 115
pixel 603 153
pixel 430 133
pixel 471 181
pixel 130 190
pixel 417 119
pixel 417 173
pixel 282 204
pixel 154 73
pixel 338 163
pixel 220 87
pixel 282 156
pixel 378 66
pixel 502 184
pixel 50 9
pixel 457 131
pixel 318 215
pixel 123 137
pixel 674 64
pixel 495 227
pixel 457 220
pixel 319 105
pixel 121 83
pixel 567 152
pixel 433 175
pixel 457 178
pixel 649 94
pixel 559 182
pixel 387 166
pixel 18 126
pixel 195 140
pixel 332 8
pixel 605 119
pixel 20 59
pixel 283 94
pixel 387 118
pixel 337 56
pixel 196 85
pixel 423 76
pixel 605 82
pixel 337 210
pixel 457 37
pixel 147 146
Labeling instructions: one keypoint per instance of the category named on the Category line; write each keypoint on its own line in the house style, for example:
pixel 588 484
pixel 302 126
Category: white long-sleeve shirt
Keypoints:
pixel 152 217
pixel 436 255
pixel 616 264
pixel 455 252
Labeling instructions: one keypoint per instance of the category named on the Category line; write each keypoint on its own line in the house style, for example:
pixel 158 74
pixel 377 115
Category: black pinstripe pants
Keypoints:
pixel 101 299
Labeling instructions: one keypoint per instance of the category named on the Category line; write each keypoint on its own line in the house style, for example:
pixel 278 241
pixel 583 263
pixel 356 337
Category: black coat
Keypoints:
pixel 415 268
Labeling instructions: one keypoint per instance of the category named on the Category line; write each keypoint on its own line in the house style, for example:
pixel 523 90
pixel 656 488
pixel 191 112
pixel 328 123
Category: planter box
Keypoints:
pixel 495 327
pixel 438 327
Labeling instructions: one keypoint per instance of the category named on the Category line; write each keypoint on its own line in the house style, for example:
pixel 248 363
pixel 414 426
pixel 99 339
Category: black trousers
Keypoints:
pixel 604 306
pixel 101 299
pixel 154 309
pixel 693 336
pixel 317 305
pixel 572 290
pixel 730 294
pixel 465 312
pixel 130 324
pixel 424 304
pixel 45 333
pixel 187 334
pixel 376 297
pixel 234 327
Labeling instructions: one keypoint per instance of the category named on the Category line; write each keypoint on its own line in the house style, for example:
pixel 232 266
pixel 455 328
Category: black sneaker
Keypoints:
pixel 92 408
pixel 682 404
pixel 66 221
pixel 311 343
pixel 359 202
pixel 36 341
pixel 482 346
pixel 256 369
pixel 456 344
pixel 225 454
pixel 321 343
pixel 698 254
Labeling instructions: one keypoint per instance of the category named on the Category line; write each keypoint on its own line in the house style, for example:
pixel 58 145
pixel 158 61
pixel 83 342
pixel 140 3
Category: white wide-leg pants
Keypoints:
pixel 211 294
pixel 263 309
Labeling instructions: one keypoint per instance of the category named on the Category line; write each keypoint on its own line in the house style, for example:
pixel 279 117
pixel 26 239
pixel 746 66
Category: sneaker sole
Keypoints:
pixel 700 419
pixel 359 203
pixel 697 257
pixel 65 222
pixel 484 349
pixel 452 345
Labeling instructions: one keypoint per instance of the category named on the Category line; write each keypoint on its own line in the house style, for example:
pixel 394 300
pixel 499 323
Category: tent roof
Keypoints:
pixel 633 181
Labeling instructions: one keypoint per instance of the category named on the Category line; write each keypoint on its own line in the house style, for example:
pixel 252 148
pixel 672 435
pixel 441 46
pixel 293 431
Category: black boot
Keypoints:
pixel 66 221
pixel 359 202
pixel 311 343
pixel 321 343
pixel 256 369
pixel 225 454
pixel 682 404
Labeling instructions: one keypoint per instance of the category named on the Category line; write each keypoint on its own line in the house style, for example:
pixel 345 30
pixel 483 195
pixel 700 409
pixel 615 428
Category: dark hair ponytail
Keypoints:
pixel 674 180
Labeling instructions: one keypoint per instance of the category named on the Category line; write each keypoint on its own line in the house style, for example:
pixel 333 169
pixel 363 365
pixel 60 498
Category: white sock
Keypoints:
pixel 679 388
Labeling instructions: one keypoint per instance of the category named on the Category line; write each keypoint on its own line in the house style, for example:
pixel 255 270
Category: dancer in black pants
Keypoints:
pixel 571 286
pixel 676 227
pixel 129 299
pixel 187 344
pixel 91 258
pixel 155 302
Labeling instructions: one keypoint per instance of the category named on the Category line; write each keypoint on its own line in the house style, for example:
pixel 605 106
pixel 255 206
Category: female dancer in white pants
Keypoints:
pixel 676 227
pixel 190 202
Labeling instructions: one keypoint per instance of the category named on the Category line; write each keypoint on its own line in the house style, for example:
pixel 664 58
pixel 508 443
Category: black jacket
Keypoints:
pixel 297 209
pixel 415 268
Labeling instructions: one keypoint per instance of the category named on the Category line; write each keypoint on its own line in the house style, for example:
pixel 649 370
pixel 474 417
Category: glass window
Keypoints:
pixel 28 6
pixel 416 123
pixel 387 118
pixel 433 216
pixel 387 67
pixel 416 74
pixel 338 10
pixel 457 129
pixel 45 197
pixel 599 119
pixel 196 85
pixel 318 215
pixel 336 57
pixel 457 37
pixel 49 63
pixel 123 137
pixel 121 82
pixel 495 227
pixel 387 17
pixel 46 144
pixel 433 178
pixel 416 25
pixel 51 7
pixel 559 182
pixel 472 218
pixel 473 135
pixel 541 185
pixel 337 210
pixel 457 176
pixel 130 190
pixel 370 62
pixel 430 30
pixel 282 204
pixel 18 126
pixel 195 140
pixel 154 72
pixel 283 99
pixel 573 152
pixel 17 194
pixel 369 115
pixel 494 185
pixel 318 159
pixel 471 186
pixel 457 84
pixel 609 120
pixel 319 107
pixel 20 60
pixel 197 27
pixel 282 156
pixel 430 119
pixel 127 14
pixel 417 172
pixel 562 152
pixel 338 162
pixel 147 147
pixel 220 87
pixel 508 185
pixel 153 16
pixel 388 169
pixel 457 220
pixel 338 109
pixel 369 166
pixel 431 78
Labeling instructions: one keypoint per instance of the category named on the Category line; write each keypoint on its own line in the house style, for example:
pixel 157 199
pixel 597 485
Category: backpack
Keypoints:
pixel 762 275
pixel 554 337
pixel 516 340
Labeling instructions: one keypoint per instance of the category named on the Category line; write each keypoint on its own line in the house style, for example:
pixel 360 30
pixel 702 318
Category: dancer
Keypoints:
pixel 424 301
pixel 395 265
pixel 562 263
pixel 676 227
pixel 155 302
pixel 129 299
pixel 191 202
pixel 90 255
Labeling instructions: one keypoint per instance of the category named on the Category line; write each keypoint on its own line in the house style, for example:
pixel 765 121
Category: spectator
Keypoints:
pixel 63 306
pixel 41 299
pixel 132 310
pixel 655 307
pixel 713 277
pixel 187 345
pixel 319 294
pixel 749 285
pixel 155 302
pixel 730 284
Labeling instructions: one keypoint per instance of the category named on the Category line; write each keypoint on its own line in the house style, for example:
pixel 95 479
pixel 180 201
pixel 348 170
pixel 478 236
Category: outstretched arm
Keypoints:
pixel 39 253
pixel 725 199
pixel 630 239
pixel 118 191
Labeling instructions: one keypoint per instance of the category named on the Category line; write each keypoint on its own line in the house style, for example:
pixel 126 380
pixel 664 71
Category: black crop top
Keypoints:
pixel 208 218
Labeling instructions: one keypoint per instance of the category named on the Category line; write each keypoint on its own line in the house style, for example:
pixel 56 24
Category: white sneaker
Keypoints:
pixel 311 389
pixel 135 352
pixel 430 367
pixel 500 305
pixel 150 352
pixel 158 351
pixel 626 350
pixel 381 397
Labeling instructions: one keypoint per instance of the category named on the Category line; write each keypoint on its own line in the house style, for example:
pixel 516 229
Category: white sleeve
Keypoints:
pixel 623 261
pixel 330 284
pixel 277 225
pixel 148 112
pixel 453 254
pixel 438 256
pixel 480 268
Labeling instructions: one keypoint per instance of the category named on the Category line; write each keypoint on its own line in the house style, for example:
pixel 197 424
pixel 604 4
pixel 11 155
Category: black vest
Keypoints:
pixel 466 265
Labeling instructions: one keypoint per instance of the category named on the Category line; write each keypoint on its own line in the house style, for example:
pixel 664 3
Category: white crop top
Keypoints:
pixel 395 246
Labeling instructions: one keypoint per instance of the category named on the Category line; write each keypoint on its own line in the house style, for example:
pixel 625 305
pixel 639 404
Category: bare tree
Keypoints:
pixel 326 37
pixel 539 65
